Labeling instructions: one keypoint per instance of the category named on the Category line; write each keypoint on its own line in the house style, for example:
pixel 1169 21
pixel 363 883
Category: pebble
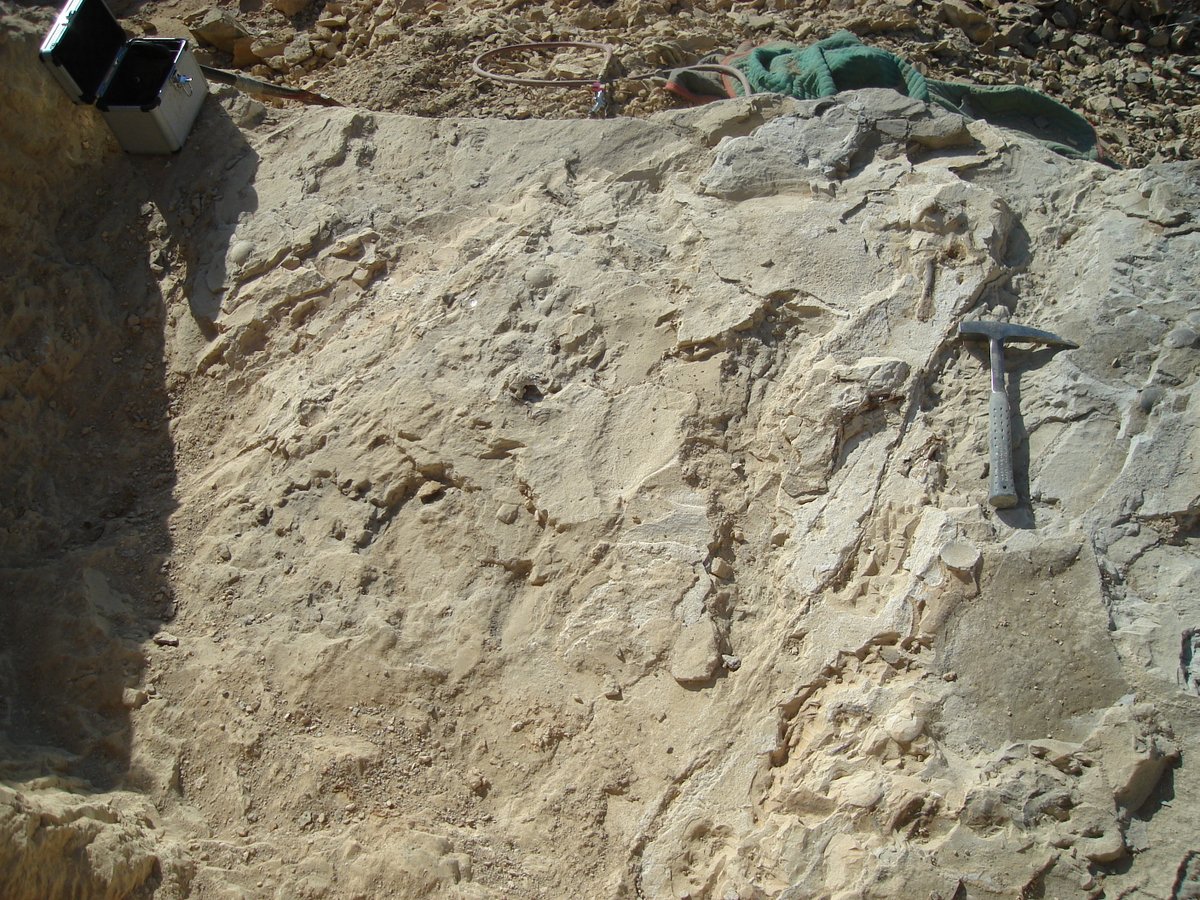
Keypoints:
pixel 539 277
pixel 133 698
pixel 240 252
pixel 1149 397
pixel 297 51
pixel 720 569
pixel 904 729
pixel 1180 338
pixel 478 783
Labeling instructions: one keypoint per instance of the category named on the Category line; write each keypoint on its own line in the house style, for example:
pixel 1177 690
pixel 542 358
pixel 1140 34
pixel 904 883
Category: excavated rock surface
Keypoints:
pixel 404 507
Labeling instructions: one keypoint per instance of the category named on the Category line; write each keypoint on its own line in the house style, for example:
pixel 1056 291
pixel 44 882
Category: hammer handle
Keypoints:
pixel 1002 493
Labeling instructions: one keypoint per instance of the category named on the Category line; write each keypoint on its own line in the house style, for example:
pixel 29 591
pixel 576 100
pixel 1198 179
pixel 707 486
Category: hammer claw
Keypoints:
pixel 1007 331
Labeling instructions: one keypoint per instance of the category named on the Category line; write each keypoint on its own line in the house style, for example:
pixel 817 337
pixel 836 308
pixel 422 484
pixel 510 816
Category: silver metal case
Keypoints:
pixel 149 90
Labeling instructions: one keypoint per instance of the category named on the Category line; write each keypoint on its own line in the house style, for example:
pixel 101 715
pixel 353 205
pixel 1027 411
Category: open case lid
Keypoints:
pixel 82 47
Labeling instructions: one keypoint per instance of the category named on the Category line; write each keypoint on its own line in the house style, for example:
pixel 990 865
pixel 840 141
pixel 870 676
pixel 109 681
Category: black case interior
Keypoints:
pixel 89 46
pixel 140 77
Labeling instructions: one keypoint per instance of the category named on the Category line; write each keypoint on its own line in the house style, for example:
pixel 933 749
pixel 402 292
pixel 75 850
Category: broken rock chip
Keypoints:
pixel 974 23
pixel 218 28
pixel 1135 754
pixel 696 655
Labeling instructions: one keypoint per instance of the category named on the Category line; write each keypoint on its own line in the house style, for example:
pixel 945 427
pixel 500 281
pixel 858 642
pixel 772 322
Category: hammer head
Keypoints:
pixel 1007 331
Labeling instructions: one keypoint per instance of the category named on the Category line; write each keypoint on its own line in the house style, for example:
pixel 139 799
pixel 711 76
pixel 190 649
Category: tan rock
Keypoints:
pixel 299 50
pixel 965 15
pixel 243 53
pixel 696 656
pixel 1134 756
pixel 266 48
pixel 721 569
pixel 219 28
pixel 290 7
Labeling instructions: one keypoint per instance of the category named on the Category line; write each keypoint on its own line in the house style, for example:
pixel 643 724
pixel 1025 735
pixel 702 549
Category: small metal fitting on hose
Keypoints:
pixel 602 103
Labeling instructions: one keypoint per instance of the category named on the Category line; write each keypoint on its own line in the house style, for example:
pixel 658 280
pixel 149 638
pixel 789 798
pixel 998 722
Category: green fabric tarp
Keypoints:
pixel 841 63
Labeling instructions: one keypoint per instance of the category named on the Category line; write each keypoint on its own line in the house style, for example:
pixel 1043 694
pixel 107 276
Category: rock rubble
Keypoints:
pixel 1131 67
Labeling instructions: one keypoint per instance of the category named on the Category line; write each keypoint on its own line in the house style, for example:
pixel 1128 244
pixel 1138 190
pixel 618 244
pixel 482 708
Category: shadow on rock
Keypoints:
pixel 103 257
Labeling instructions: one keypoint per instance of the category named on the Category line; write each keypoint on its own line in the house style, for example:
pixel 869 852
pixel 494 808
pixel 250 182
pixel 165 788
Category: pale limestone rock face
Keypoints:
pixel 599 507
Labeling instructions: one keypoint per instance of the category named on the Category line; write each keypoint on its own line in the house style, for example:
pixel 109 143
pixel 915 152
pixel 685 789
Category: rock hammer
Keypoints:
pixel 1002 492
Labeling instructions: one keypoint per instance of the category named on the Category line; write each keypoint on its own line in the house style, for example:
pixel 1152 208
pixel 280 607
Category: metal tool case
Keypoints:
pixel 149 90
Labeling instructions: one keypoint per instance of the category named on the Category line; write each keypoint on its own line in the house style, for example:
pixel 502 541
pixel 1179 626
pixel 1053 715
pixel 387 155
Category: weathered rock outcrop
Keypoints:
pixel 599 508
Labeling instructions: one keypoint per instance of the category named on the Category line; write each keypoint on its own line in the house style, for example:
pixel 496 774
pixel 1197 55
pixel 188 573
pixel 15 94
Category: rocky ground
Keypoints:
pixel 460 506
pixel 1130 66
